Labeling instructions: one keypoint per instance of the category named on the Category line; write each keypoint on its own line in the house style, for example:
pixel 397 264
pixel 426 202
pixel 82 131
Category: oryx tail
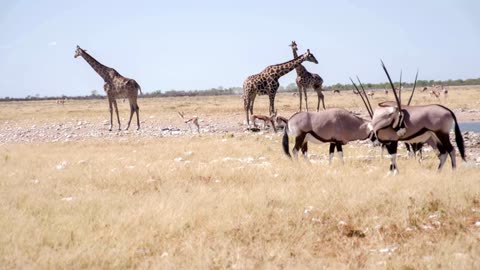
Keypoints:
pixel 285 141
pixel 458 134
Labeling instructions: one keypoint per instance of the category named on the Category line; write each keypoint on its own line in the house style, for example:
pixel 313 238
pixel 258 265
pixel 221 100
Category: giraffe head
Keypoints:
pixel 294 46
pixel 79 51
pixel 310 57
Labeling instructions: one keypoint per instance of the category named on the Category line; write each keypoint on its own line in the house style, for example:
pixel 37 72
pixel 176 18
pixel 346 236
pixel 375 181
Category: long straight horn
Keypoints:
pixel 400 89
pixel 393 87
pixel 366 96
pixel 364 102
pixel 414 85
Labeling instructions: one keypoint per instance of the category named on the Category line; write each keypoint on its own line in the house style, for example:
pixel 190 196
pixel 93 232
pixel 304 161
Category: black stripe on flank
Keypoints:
pixel 322 139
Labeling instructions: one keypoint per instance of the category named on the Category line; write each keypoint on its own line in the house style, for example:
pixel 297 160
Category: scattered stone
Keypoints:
pixel 62 165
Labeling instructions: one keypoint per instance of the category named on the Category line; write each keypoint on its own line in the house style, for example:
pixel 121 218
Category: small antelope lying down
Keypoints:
pixel 335 126
pixel 193 120
pixel 265 119
pixel 281 121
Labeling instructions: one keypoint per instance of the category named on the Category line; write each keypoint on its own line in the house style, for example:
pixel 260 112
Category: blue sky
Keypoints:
pixel 203 44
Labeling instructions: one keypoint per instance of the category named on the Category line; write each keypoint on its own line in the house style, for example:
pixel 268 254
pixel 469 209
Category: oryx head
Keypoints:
pixel 386 117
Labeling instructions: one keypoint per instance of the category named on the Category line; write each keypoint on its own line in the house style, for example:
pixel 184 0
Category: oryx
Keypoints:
pixel 416 124
pixel 335 126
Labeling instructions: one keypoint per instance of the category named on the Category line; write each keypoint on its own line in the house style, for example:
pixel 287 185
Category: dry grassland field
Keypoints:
pixel 74 195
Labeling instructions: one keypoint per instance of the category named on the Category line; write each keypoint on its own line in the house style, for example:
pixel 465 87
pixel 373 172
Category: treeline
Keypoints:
pixel 420 83
pixel 220 91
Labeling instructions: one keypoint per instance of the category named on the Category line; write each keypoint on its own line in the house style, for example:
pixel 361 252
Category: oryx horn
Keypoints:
pixel 361 96
pixel 366 96
pixel 414 85
pixel 393 87
pixel 400 88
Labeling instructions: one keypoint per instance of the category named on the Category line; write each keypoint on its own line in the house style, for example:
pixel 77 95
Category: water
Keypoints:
pixel 470 126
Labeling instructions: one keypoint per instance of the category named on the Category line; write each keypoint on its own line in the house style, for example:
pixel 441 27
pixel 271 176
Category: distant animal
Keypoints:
pixel 424 89
pixel 434 93
pixel 336 91
pixel 335 126
pixel 370 93
pixel 445 92
pixel 192 120
pixel 265 119
pixel 116 86
pixel 355 92
pixel 61 101
pixel 307 80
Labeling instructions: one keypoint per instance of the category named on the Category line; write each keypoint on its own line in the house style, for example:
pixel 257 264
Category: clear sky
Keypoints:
pixel 188 45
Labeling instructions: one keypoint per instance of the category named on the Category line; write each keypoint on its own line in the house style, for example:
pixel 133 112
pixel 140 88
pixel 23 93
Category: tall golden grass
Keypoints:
pixel 228 200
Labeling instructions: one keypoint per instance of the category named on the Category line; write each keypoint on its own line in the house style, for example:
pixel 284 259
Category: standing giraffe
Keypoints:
pixel 266 82
pixel 116 86
pixel 307 80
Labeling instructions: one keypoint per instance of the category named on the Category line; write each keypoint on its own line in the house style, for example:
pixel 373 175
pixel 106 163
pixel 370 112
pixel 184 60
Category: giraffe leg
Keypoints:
pixel 137 112
pixel 323 99
pixel 272 104
pixel 306 101
pixel 300 95
pixel 247 107
pixel 132 110
pixel 320 98
pixel 110 104
pixel 116 111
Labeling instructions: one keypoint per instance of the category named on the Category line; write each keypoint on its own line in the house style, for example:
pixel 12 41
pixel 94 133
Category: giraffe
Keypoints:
pixel 116 86
pixel 307 80
pixel 266 82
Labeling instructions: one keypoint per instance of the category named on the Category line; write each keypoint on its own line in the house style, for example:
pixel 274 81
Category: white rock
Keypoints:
pixel 61 165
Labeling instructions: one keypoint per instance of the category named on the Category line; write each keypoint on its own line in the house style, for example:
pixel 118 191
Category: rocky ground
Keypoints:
pixel 12 132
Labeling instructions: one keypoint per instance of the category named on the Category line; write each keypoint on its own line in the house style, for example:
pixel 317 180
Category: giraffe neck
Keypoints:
pixel 300 69
pixel 279 70
pixel 97 66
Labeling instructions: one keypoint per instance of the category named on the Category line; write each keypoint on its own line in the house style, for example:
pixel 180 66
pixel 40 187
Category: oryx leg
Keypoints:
pixel 446 148
pixel 330 152
pixel 340 151
pixel 392 151
pixel 411 152
pixel 299 142
pixel 305 150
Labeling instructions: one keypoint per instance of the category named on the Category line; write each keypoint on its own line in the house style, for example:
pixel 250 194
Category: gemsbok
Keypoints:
pixel 335 126
pixel 392 123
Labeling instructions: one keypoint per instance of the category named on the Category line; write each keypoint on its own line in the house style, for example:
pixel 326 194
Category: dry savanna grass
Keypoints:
pixel 229 200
